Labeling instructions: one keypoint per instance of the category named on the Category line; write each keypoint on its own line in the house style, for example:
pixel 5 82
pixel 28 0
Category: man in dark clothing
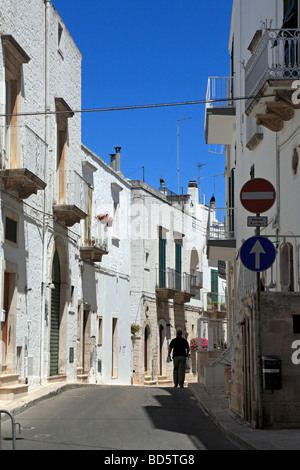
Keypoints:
pixel 181 349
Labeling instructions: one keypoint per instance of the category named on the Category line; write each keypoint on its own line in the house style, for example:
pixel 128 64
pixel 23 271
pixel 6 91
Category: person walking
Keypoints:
pixel 181 349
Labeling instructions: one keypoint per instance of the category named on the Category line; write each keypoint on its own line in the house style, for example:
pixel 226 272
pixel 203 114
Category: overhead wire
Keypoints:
pixel 132 107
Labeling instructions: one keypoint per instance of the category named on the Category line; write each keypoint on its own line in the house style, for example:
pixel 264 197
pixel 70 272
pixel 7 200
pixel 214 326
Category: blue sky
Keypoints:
pixel 148 52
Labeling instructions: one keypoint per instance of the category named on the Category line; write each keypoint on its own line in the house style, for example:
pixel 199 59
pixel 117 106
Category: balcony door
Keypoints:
pixel 162 262
pixel 178 256
pixel 214 285
pixel 55 316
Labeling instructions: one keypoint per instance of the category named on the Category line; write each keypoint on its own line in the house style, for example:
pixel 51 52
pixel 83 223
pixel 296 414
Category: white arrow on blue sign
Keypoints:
pixel 258 254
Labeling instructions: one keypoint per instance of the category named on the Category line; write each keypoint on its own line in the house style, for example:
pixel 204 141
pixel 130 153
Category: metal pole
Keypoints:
pixel 258 346
pixel 13 427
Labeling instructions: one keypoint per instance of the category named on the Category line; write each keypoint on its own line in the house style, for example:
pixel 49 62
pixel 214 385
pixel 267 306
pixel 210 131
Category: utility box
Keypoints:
pixel 271 371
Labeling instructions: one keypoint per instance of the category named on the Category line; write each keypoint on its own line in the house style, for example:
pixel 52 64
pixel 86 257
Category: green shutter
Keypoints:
pixel 55 317
pixel 214 285
pixel 162 262
pixel 178 266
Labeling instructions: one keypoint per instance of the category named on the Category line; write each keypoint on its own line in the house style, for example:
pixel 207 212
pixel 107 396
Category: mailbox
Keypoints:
pixel 271 371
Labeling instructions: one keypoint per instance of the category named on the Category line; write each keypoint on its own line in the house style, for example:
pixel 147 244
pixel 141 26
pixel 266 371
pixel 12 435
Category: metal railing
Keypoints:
pixel 13 428
pixel 72 189
pixel 219 92
pixel 220 223
pixel 171 279
pixel 22 148
pixel 216 302
pixel 93 234
pixel 276 57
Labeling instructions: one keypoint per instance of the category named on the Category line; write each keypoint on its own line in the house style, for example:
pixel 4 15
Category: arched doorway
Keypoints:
pixel 55 316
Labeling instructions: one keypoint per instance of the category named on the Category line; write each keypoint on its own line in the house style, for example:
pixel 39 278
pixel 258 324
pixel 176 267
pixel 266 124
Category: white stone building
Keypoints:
pixel 104 354
pixel 261 135
pixel 65 276
pixel 168 269
pixel 43 195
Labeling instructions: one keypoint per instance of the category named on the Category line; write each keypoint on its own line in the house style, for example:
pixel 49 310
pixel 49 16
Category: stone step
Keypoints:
pixel 10 392
pixel 9 379
pixel 57 378
pixel 82 378
pixel 148 380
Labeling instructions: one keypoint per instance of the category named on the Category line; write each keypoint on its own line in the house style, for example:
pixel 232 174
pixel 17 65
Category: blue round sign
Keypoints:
pixel 258 254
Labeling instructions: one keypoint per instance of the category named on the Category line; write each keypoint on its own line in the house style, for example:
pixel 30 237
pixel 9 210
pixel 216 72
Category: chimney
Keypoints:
pixel 162 188
pixel 118 158
pixel 113 161
pixel 193 192
pixel 213 202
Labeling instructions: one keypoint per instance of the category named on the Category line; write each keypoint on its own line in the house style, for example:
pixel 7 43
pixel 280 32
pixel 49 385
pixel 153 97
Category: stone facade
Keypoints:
pixel 262 140
pixel 159 308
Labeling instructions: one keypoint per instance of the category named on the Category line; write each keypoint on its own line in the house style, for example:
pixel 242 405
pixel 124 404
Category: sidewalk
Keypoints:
pixel 33 397
pixel 215 403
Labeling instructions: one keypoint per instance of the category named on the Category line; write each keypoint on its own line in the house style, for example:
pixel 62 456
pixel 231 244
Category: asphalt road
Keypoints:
pixel 112 419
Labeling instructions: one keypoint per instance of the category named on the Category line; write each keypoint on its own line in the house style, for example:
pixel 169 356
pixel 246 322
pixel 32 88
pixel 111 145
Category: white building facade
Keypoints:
pixel 105 343
pixel 168 272
pixel 261 135
pixel 65 274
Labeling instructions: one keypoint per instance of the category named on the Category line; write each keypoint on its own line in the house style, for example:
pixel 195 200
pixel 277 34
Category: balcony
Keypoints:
pixel 198 279
pixel 94 244
pixel 221 243
pixel 174 285
pixel 22 160
pixel 220 111
pixel 216 304
pixel 71 204
pixel 269 74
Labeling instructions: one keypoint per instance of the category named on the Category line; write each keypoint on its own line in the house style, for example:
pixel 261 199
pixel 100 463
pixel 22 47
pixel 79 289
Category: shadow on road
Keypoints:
pixel 178 412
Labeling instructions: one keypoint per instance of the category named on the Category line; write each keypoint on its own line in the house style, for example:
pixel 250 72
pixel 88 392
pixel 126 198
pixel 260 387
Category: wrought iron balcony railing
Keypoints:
pixel 276 57
pixel 172 280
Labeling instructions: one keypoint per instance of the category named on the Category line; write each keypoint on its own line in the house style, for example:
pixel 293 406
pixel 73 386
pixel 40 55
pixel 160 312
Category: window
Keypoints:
pixel 11 230
pixel 60 39
pixel 14 58
pixel 114 371
pixel 100 327
pixel 290 15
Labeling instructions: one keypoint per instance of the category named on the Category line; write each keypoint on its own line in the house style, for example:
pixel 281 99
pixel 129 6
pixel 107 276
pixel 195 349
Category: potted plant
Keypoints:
pixel 135 328
pixel 194 344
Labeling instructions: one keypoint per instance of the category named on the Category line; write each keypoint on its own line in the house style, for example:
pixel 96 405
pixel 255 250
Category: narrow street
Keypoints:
pixel 113 418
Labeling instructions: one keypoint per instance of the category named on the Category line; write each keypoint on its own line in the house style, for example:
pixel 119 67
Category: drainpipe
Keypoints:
pixel 45 218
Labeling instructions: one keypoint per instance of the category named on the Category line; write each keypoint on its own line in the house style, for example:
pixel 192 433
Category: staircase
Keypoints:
pixel 163 381
pixel 82 378
pixel 11 387
pixel 148 381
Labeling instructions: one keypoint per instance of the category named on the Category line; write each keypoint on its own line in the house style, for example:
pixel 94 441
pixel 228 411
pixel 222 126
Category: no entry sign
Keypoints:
pixel 258 195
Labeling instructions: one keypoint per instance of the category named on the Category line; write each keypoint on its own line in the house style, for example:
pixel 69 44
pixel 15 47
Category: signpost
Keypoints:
pixel 258 254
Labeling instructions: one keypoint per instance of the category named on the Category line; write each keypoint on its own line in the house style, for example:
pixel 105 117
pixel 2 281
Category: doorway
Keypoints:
pixel 247 401
pixel 8 326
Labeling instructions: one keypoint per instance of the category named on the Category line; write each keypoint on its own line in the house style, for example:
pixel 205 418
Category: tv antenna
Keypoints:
pixel 199 179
